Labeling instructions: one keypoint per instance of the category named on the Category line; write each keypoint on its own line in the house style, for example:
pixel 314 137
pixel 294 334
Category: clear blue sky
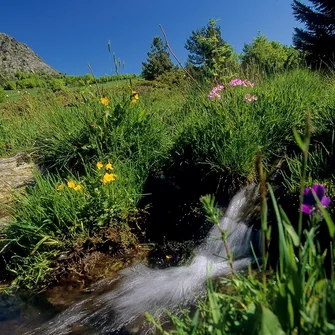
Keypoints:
pixel 68 34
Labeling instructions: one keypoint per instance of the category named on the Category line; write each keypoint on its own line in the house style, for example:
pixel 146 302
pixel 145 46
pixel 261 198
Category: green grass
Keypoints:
pixel 174 134
pixel 295 297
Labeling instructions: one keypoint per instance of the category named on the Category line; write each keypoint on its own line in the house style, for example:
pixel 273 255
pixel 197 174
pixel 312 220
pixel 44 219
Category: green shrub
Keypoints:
pixel 270 55
pixel 10 85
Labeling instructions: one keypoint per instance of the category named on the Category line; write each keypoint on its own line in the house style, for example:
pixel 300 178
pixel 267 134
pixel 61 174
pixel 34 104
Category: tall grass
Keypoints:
pixel 177 135
pixel 296 297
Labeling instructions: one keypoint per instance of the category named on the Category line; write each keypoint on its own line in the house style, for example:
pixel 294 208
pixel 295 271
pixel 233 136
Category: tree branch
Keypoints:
pixel 176 58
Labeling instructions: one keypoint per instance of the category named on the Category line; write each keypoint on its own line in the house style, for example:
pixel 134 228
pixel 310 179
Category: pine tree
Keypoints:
pixel 317 41
pixel 208 49
pixel 158 60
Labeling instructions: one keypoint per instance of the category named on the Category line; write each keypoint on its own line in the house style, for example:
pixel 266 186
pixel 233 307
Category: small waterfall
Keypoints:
pixel 140 289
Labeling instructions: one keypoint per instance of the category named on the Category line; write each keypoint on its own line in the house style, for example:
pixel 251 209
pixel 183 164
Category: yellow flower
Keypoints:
pixel 133 101
pixel 109 166
pixel 134 95
pixel 99 165
pixel 108 177
pixel 71 184
pixel 104 101
pixel 60 187
pixel 78 188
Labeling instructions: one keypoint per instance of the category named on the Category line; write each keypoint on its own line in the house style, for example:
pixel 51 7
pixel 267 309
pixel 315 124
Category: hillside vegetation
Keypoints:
pixel 122 167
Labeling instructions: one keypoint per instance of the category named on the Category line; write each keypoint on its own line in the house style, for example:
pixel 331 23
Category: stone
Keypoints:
pixel 16 173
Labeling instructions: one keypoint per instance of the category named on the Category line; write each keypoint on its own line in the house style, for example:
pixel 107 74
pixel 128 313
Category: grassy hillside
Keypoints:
pixel 105 154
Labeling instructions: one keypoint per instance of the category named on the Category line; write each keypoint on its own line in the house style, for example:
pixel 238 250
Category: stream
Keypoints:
pixel 117 305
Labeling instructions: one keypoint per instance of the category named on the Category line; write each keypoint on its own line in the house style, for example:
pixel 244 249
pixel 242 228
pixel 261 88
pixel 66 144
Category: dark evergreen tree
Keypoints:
pixel 208 49
pixel 317 40
pixel 158 60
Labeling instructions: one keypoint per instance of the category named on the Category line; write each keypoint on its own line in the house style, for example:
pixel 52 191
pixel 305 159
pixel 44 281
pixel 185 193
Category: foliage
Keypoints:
pixel 295 298
pixel 59 82
pixel 158 60
pixel 178 136
pixel 57 85
pixel 269 56
pixel 173 79
pixel 10 85
pixel 57 213
pixel 2 95
pixel 208 49
pixel 317 40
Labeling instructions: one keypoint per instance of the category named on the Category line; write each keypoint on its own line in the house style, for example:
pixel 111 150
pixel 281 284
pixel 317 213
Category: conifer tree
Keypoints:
pixel 317 40
pixel 208 50
pixel 158 60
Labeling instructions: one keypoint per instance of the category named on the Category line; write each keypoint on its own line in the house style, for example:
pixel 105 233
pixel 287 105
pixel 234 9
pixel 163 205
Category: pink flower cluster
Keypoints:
pixel 249 98
pixel 240 82
pixel 214 92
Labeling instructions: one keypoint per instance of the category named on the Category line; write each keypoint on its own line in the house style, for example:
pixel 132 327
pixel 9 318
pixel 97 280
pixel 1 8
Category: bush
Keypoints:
pixel 174 78
pixel 269 55
pixel 10 85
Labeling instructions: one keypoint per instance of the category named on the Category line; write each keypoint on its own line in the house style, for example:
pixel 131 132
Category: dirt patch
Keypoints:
pixel 79 270
pixel 102 255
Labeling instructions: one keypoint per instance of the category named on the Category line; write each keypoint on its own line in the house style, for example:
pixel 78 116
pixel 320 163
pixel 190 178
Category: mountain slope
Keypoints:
pixel 18 57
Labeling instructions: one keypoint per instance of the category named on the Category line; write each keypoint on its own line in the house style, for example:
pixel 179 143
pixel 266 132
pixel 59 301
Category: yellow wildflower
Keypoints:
pixel 71 184
pixel 108 177
pixel 60 187
pixel 109 166
pixel 99 165
pixel 134 95
pixel 78 188
pixel 133 101
pixel 104 101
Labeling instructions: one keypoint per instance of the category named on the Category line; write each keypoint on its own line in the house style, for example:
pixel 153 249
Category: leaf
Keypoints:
pixel 294 236
pixel 299 140
pixel 290 310
pixel 289 228
pixel 195 321
pixel 283 256
pixel 270 324
pixel 329 221
pixel 40 243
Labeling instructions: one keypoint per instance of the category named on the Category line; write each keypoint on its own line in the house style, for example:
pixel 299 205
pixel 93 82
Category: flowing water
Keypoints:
pixel 120 303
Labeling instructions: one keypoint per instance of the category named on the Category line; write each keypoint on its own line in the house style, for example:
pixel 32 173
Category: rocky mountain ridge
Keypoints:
pixel 18 57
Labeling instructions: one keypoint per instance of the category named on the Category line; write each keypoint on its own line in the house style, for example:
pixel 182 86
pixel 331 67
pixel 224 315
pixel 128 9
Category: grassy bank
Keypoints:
pixel 103 162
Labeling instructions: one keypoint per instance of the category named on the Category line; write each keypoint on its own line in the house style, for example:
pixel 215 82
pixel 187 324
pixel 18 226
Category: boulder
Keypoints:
pixel 16 173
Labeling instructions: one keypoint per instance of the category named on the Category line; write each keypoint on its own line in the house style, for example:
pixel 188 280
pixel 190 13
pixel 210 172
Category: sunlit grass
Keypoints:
pixel 170 133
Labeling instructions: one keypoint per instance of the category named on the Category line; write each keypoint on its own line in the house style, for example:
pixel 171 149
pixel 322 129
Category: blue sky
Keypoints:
pixel 68 34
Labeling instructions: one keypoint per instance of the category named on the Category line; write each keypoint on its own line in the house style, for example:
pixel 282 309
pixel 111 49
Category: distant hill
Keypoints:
pixel 18 57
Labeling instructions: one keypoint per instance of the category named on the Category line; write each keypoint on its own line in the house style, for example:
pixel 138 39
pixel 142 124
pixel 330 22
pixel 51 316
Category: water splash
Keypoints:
pixel 140 289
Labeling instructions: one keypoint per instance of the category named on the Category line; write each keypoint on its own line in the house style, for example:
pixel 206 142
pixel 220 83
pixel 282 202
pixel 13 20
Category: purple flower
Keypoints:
pixel 240 82
pixel 309 205
pixel 249 98
pixel 214 92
